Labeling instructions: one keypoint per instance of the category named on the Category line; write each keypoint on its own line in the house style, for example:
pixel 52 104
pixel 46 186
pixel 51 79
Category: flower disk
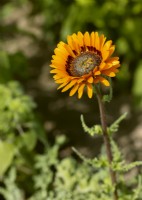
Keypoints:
pixel 85 60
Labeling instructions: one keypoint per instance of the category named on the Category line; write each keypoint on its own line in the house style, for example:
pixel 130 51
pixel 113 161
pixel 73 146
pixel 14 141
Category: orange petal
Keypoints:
pixel 112 68
pixel 102 65
pixel 90 79
pixel 61 47
pixel 109 73
pixel 62 85
pixel 109 66
pixel 76 42
pixel 80 80
pixel 97 41
pixel 105 82
pixel 115 62
pixel 62 80
pixel 107 45
pixel 111 50
pixel 69 85
pixel 58 61
pixel 97 73
pixel 112 59
pixel 53 66
pixel 74 90
pixel 80 38
pixel 87 39
pixel 60 53
pixel 69 50
pixel 56 57
pixel 102 41
pixel 60 76
pixel 93 39
pixel 89 90
pixel 105 55
pixel 58 65
pixel 105 49
pixel 80 90
pixel 70 42
pixel 116 66
pixel 58 71
pixel 56 77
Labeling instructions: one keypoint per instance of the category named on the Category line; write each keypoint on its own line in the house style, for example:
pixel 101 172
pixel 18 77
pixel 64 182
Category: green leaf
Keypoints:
pixel 115 125
pixel 138 190
pixel 7 152
pixel 95 162
pixel 29 140
pixel 96 129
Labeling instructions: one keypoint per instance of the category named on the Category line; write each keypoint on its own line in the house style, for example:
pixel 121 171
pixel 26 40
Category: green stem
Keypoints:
pixel 107 142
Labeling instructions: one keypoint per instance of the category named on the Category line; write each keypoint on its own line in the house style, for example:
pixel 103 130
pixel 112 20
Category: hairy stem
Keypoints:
pixel 107 143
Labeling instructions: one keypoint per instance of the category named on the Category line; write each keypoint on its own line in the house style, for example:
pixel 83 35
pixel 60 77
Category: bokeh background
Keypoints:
pixel 29 32
pixel 33 113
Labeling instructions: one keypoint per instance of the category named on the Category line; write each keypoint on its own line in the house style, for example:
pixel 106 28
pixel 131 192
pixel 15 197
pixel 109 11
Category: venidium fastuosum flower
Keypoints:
pixel 85 60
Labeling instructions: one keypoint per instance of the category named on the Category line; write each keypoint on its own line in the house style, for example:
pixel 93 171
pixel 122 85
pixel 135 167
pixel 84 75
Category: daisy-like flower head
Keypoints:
pixel 85 60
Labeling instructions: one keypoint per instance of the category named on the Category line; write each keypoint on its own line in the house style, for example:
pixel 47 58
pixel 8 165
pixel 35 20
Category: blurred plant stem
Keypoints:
pixel 107 142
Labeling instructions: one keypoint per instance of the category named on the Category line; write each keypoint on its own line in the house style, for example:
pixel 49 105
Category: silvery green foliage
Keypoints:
pixel 94 130
pixel 97 129
pixel 15 108
pixel 19 128
pixel 55 179
pixel 11 190
pixel 119 164
pixel 32 175
pixel 115 125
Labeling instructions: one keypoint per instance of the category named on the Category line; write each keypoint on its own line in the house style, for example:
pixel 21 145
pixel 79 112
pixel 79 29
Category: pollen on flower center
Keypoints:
pixel 84 63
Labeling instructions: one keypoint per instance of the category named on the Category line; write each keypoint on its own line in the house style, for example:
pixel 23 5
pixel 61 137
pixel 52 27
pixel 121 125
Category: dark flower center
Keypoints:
pixel 83 64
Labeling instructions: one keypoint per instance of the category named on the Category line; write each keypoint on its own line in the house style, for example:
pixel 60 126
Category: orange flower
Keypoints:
pixel 85 60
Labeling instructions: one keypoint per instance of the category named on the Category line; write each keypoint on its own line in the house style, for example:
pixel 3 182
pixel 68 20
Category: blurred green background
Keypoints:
pixel 29 32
